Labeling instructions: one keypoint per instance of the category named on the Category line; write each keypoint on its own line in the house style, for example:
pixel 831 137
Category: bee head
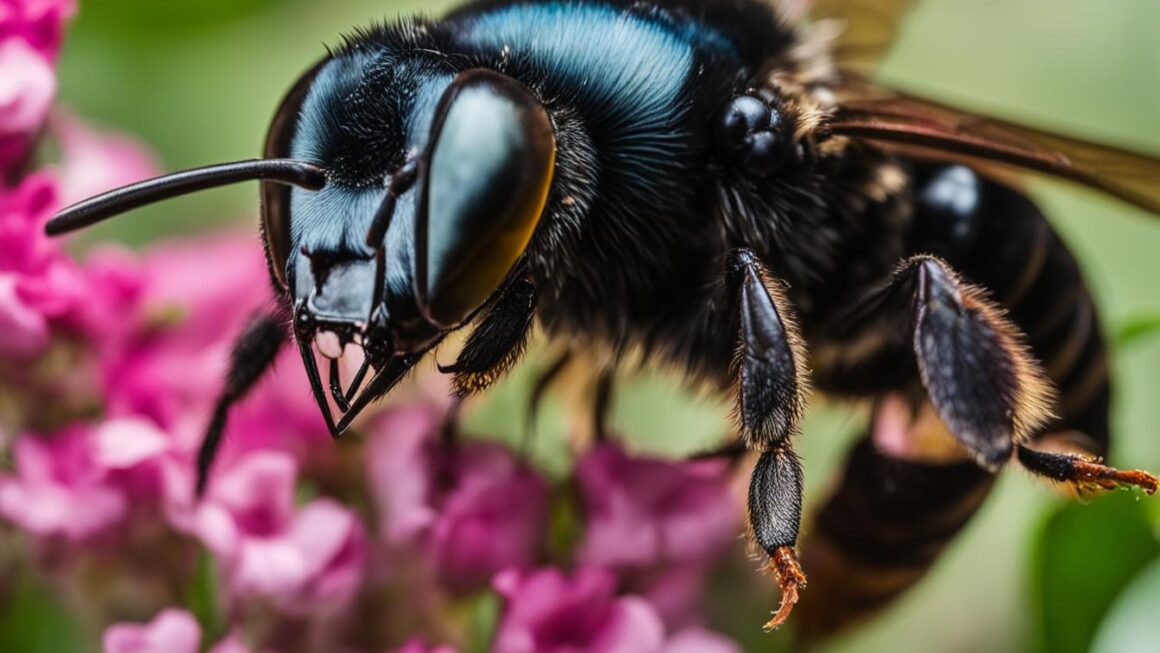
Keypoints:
pixel 409 245
pixel 396 199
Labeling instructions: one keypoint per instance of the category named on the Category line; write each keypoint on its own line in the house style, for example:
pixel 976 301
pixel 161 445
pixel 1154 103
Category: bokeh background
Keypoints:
pixel 198 79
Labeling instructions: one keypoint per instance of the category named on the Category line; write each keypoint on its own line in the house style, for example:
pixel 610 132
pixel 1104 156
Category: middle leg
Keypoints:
pixel 771 386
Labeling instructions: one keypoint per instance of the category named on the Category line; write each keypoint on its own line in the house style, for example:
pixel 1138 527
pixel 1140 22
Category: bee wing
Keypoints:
pixel 925 129
pixel 869 29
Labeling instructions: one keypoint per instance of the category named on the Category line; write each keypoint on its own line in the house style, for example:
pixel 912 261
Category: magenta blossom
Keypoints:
pixel 549 612
pixel 27 88
pixel 475 509
pixel 30 33
pixel 171 631
pixel 40 23
pixel 300 559
pixel 59 489
pixel 83 481
pixel 39 285
pixel 696 640
pixel 644 511
pixel 417 646
pixel 169 364
pixel 94 161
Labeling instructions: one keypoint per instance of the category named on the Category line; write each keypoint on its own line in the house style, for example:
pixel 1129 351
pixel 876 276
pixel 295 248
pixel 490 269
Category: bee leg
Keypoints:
pixel 253 355
pixel 771 388
pixel 982 380
pixel 539 389
pixel 1085 474
pixel 602 405
pixel 775 511
pixel 497 343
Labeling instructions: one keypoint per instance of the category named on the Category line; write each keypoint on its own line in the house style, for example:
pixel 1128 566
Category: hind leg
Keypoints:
pixel 1080 472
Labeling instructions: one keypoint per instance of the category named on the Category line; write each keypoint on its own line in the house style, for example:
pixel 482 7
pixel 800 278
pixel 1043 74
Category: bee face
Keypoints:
pixel 436 185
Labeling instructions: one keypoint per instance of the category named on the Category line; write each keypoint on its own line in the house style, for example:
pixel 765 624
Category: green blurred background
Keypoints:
pixel 198 80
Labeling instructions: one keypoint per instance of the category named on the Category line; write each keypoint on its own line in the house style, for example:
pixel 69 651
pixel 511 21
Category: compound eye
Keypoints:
pixel 488 175
pixel 276 197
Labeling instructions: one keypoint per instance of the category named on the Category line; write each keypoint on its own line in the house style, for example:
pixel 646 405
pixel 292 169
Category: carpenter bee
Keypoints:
pixel 716 184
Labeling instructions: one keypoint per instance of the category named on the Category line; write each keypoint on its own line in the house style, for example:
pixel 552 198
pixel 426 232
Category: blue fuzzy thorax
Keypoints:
pixel 628 73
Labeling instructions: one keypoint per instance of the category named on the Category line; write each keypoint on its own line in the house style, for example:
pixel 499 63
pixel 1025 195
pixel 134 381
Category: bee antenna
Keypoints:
pixel 115 202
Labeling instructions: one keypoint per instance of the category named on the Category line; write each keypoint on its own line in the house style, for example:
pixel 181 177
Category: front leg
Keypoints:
pixel 497 342
pixel 771 386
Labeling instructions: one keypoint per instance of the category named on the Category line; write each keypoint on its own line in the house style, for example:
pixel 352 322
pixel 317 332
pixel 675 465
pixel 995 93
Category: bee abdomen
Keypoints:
pixel 880 533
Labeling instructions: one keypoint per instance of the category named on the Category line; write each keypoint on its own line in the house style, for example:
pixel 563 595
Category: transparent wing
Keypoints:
pixel 869 29
pixel 927 129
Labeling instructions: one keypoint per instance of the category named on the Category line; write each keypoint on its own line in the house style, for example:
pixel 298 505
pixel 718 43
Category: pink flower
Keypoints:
pixel 643 511
pixel 60 489
pixel 39 285
pixel 40 23
pixel 697 640
pixel 171 631
pixel 301 559
pixel 184 315
pixel 548 612
pixel 83 481
pixel 476 510
pixel 417 646
pixel 27 88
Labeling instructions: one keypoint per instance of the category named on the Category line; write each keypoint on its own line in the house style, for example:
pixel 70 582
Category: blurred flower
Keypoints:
pixel 59 489
pixel 676 592
pixel 474 508
pixel 644 511
pixel 40 23
pixel 94 161
pixel 548 612
pixel 417 646
pixel 30 34
pixel 697 640
pixel 38 283
pixel 82 481
pixel 300 560
pixel 27 88
pixel 171 631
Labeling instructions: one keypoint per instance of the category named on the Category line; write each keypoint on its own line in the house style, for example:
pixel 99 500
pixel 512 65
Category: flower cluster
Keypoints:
pixel 109 367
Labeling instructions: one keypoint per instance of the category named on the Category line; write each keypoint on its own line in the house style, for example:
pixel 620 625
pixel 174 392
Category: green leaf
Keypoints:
pixel 484 620
pixel 1084 556
pixel 202 597
pixel 32 620
pixel 1132 624
pixel 1137 328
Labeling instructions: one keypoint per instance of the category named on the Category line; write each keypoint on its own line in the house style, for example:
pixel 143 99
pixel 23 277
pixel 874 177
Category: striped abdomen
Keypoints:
pixel 889 519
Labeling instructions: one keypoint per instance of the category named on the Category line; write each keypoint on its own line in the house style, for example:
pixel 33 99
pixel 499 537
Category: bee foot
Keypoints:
pixel 791 579
pixel 1091 474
